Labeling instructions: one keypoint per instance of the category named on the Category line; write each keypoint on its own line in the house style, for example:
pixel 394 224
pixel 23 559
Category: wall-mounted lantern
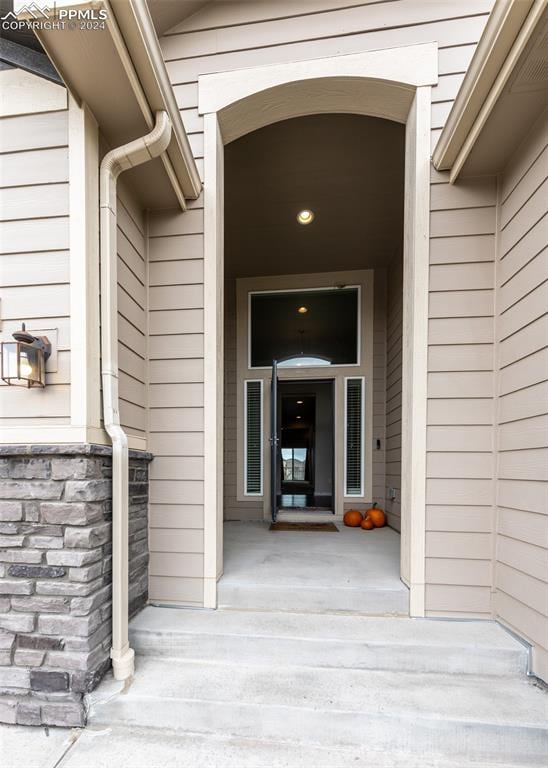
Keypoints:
pixel 24 360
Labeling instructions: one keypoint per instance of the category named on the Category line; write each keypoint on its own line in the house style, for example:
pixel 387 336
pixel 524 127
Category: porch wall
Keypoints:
pixel 393 390
pixel 521 597
pixel 176 398
pixel 460 515
pixel 34 238
pixel 132 312
pixel 461 392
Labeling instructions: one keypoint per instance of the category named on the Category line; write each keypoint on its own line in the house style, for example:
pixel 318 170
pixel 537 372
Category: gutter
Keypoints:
pixel 113 164
pixel 149 44
pixel 501 42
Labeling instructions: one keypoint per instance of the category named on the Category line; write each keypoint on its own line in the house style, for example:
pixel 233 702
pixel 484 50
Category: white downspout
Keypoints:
pixel 120 159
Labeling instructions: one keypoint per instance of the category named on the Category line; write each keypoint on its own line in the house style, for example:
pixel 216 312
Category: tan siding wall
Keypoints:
pixel 34 255
pixel 237 35
pixel 394 331
pixel 132 312
pixel 521 577
pixel 379 387
pixel 176 405
pixel 460 460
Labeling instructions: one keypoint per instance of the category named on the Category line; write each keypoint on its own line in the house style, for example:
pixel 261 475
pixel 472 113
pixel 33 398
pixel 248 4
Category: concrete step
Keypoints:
pixel 488 718
pixel 353 642
pixel 125 747
pixel 382 601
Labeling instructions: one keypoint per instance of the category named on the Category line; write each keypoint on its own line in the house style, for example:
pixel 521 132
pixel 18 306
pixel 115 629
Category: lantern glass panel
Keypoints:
pixel 22 364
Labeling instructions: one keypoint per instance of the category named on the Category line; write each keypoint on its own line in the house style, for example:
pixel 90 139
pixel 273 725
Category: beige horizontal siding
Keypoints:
pixel 394 336
pixel 34 255
pixel 521 576
pixel 132 312
pixel 175 421
pixel 461 390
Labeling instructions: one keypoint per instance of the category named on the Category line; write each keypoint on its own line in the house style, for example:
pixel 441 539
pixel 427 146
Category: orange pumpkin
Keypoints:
pixel 352 518
pixel 376 515
pixel 367 524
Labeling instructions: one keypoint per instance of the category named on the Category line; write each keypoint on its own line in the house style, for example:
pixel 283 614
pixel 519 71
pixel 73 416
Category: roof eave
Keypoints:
pixel 507 30
pixel 134 43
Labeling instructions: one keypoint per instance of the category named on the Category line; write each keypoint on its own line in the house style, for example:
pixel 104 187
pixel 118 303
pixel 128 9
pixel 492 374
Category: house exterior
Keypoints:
pixel 133 264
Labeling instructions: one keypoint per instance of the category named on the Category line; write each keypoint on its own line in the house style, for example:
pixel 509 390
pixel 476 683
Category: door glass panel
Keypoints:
pixel 294 464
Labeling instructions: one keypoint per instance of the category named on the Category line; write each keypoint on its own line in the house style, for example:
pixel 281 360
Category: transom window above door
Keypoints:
pixel 304 328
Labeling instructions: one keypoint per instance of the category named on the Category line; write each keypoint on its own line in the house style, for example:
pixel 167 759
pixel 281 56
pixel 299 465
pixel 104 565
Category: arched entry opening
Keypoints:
pixel 393 85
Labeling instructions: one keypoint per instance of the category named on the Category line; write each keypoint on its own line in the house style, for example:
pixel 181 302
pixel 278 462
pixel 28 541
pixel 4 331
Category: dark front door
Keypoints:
pixel 274 441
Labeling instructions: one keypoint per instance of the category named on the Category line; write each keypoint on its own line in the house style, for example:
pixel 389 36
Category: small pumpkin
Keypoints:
pixel 367 524
pixel 376 515
pixel 353 518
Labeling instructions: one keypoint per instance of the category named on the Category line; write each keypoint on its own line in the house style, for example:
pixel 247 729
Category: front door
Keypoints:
pixel 274 441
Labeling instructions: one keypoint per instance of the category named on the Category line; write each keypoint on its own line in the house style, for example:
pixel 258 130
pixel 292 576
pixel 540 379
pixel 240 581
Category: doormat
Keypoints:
pixel 310 527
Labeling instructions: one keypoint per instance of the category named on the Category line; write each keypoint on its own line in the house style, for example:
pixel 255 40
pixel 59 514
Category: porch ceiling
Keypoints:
pixel 348 169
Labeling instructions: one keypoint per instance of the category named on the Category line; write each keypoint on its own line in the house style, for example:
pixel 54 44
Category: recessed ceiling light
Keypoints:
pixel 299 402
pixel 302 310
pixel 299 417
pixel 305 216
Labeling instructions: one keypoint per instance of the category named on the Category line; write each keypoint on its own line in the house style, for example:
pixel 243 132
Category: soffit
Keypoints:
pixel 167 13
pixel 521 102
pixel 348 169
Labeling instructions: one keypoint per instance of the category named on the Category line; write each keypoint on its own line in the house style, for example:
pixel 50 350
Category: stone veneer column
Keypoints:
pixel 55 575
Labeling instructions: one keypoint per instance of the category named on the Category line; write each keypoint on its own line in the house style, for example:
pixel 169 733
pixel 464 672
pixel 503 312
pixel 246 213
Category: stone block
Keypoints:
pixel 11 541
pixel 8 710
pixel 16 622
pixel 32 511
pixel 4 468
pixel 14 677
pixel 70 589
pixel 37 571
pixel 6 641
pixel 102 634
pixel 79 626
pixel 87 573
pixel 31 489
pixel 28 556
pixel 87 490
pixel 81 468
pixel 29 713
pixel 37 642
pixel 41 604
pixel 29 469
pixel 45 542
pixel 70 714
pixel 74 558
pixel 13 587
pixel 4 604
pixel 81 606
pixel 84 682
pixel 44 680
pixel 87 537
pixel 66 513
pixel 11 511
pixel 28 657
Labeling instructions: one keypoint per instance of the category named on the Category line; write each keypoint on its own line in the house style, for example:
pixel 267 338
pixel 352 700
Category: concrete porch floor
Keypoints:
pixel 351 571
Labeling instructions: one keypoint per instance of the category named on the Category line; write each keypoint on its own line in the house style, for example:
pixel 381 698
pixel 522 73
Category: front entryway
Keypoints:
pixel 351 571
